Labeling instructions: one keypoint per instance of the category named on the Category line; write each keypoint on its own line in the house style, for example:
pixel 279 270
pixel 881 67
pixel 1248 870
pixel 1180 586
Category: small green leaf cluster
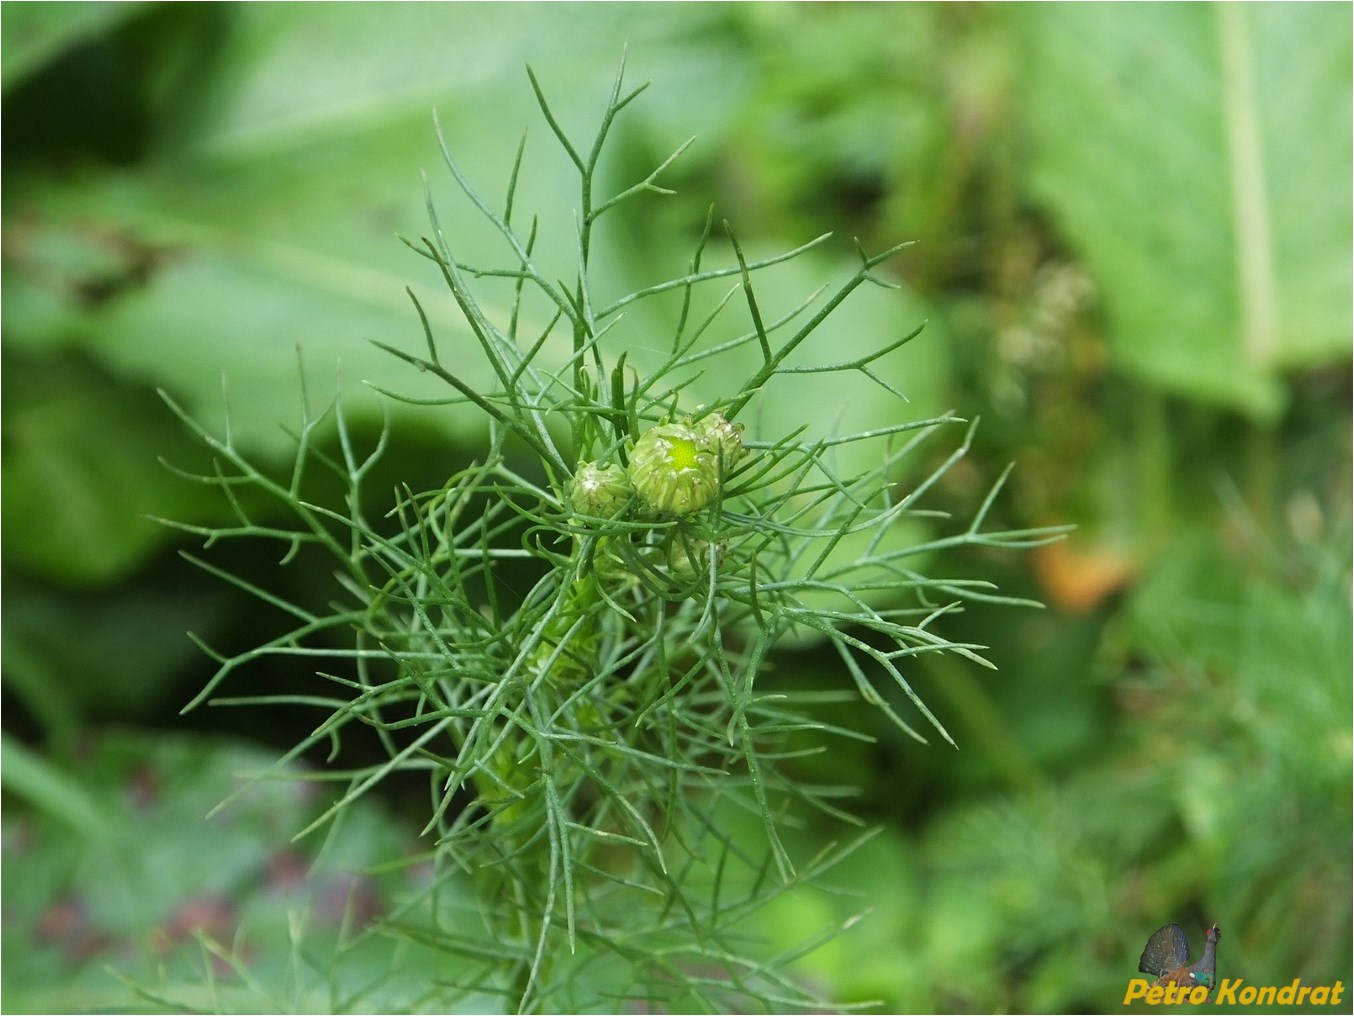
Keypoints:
pixel 589 739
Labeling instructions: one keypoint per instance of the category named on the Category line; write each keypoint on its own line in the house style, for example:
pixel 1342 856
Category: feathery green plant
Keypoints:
pixel 590 743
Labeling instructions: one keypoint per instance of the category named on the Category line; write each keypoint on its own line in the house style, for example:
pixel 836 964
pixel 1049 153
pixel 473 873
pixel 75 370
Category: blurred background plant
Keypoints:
pixel 1134 258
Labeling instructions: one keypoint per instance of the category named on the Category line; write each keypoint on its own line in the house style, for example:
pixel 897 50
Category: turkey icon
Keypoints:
pixel 1166 958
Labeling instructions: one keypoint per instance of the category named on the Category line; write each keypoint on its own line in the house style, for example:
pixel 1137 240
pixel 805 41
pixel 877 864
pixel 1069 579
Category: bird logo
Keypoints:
pixel 1166 958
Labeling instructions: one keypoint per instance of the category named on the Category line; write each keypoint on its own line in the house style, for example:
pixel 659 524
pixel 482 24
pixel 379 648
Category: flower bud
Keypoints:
pixel 673 470
pixel 599 490
pixel 675 467
pixel 687 558
pixel 725 439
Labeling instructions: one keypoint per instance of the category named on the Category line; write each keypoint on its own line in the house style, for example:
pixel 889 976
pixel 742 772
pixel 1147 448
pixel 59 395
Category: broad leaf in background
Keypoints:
pixel 282 159
pixel 1198 156
pixel 281 165
pixel 266 214
pixel 35 33
pixel 80 474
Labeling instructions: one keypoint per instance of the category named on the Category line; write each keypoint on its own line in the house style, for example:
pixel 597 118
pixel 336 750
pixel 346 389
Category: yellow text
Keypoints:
pixel 1232 991
pixel 1164 994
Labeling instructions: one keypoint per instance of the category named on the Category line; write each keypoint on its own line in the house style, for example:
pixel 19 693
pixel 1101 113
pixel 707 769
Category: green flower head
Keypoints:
pixel 676 467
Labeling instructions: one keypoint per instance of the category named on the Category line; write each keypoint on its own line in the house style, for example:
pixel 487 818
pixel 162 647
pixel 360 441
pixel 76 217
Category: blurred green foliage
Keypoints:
pixel 1135 263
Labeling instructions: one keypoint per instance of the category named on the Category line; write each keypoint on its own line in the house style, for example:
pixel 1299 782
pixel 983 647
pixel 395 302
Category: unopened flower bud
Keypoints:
pixel 722 437
pixel 687 558
pixel 599 490
pixel 673 469
pixel 676 467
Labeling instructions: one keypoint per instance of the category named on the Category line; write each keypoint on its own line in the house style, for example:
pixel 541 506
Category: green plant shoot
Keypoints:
pixel 593 739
